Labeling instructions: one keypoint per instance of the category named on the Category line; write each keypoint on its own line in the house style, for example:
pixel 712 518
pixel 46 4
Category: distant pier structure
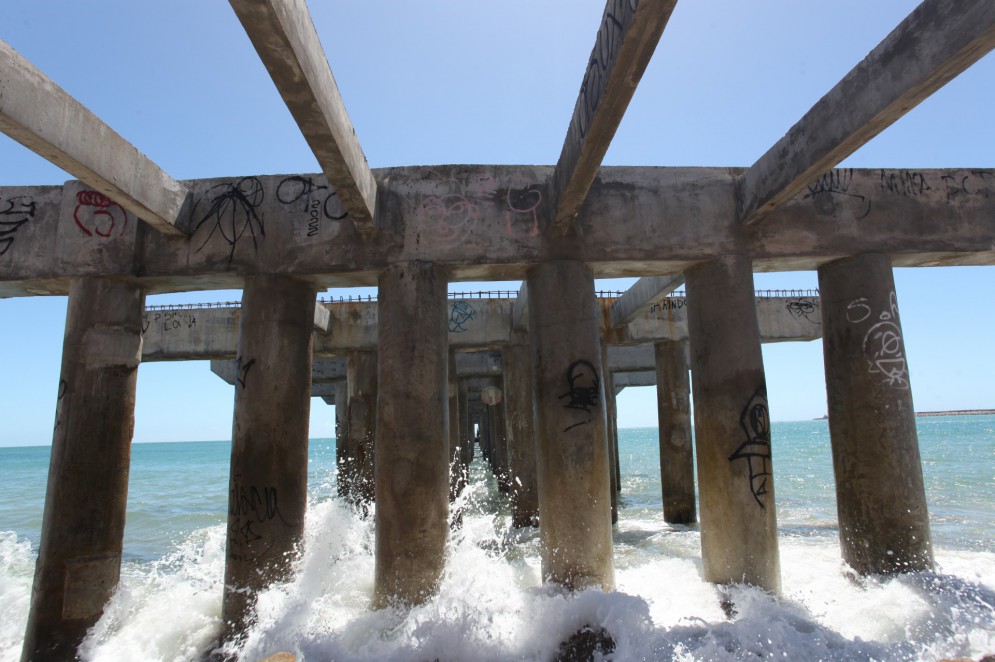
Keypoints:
pixel 417 374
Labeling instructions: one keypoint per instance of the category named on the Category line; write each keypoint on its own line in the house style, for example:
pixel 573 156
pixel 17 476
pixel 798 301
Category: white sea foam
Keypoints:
pixel 492 606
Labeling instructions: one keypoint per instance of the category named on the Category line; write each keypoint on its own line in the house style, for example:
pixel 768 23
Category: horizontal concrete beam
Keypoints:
pixel 635 223
pixel 935 43
pixel 644 293
pixel 627 37
pixel 40 115
pixel 285 39
pixel 474 325
pixel 643 378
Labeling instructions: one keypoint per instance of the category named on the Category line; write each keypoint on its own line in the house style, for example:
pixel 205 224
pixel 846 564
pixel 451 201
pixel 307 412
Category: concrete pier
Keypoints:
pixel 267 490
pixel 880 497
pixel 572 448
pixel 673 398
pixel 79 557
pixel 342 453
pixel 732 426
pixel 521 435
pixel 499 425
pixel 457 455
pixel 362 381
pixel 412 449
pixel 613 474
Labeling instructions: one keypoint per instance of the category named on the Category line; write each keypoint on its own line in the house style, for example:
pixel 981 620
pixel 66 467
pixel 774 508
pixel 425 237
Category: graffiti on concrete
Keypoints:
pixel 96 215
pixel 14 212
pixel 883 346
pixel 317 201
pixel 460 314
pixel 755 421
pixel 800 308
pixel 835 185
pixel 168 320
pixel 231 214
pixel 242 370
pixel 249 508
pixel 583 390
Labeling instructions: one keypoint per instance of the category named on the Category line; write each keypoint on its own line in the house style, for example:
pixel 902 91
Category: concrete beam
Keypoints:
pixel 520 315
pixel 641 296
pixel 642 378
pixel 285 39
pixel 634 223
pixel 40 115
pixel 935 43
pixel 627 37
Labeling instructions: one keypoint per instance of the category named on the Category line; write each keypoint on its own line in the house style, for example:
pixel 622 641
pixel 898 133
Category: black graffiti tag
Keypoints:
pixel 755 421
pixel 584 387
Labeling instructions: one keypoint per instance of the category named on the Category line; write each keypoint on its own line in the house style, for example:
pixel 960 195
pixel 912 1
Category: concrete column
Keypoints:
pixel 362 380
pixel 457 449
pixel 609 422
pixel 466 427
pixel 412 471
pixel 79 558
pixel 343 454
pixel 500 427
pixel 573 467
pixel 521 435
pixel 673 401
pixel 267 489
pixel 732 423
pixel 880 498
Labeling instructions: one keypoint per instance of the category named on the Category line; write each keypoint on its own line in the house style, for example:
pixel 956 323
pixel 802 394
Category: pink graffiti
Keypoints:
pixel 96 214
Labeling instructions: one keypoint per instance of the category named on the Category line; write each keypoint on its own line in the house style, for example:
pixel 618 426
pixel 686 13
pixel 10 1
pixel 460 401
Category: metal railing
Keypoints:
pixel 482 294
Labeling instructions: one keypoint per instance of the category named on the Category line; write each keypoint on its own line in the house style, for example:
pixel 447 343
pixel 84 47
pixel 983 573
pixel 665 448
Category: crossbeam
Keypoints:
pixel 641 296
pixel 43 117
pixel 935 43
pixel 627 37
pixel 285 39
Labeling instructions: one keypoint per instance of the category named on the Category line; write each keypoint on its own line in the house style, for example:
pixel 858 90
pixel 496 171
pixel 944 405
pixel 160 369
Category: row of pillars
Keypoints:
pixel 557 415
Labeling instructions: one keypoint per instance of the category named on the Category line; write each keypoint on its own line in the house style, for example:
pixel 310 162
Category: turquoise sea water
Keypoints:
pixel 492 606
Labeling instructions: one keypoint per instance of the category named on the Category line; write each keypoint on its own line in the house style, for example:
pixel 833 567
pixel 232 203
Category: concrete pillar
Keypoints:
pixel 732 424
pixel 500 436
pixel 609 421
pixel 79 557
pixel 362 381
pixel 521 435
pixel 457 449
pixel 673 401
pixel 267 488
pixel 880 498
pixel 466 427
pixel 412 470
pixel 575 528
pixel 343 454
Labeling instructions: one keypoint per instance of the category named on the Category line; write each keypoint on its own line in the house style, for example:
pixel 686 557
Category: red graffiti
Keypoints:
pixel 96 214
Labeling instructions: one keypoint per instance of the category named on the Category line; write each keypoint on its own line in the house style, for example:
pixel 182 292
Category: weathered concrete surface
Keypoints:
pixel 732 427
pixel 285 39
pixel 212 333
pixel 340 399
pixel 322 372
pixel 499 425
pixel 935 43
pixel 79 555
pixel 633 222
pixel 627 37
pixel 267 490
pixel 571 443
pixel 643 294
pixel 362 405
pixel 459 459
pixel 40 115
pixel 880 497
pixel 521 433
pixel 412 448
pixel 520 313
pixel 614 476
pixel 673 400
pixel 642 378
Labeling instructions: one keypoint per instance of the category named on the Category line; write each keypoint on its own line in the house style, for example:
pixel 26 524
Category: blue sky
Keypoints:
pixel 449 81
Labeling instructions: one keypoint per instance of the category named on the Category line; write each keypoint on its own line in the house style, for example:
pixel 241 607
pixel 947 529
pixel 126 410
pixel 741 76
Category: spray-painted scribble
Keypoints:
pixel 232 213
pixel 97 215
pixel 14 213
pixel 755 421
pixel 802 308
pixel 314 199
pixel 460 314
pixel 883 345
pixel 835 185
pixel 583 390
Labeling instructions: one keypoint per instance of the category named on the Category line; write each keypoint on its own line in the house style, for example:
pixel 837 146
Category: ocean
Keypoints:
pixel 492 606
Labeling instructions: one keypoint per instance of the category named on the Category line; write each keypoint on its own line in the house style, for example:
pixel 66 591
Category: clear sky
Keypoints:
pixel 450 81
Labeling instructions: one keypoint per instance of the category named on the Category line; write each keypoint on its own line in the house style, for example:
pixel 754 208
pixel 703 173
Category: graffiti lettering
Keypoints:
pixel 317 200
pixel 669 304
pixel 883 346
pixel 583 390
pixel 904 182
pixel 165 321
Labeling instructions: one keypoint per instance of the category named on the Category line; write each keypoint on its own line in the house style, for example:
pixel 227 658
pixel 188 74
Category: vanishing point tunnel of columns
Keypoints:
pixel 545 418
